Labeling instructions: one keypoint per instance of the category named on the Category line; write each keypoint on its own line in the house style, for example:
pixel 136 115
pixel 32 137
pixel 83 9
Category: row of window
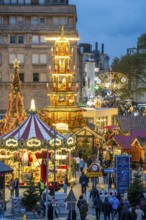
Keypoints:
pixel 36 58
pixel 36 77
pixel 32 2
pixel 36 20
pixel 20 39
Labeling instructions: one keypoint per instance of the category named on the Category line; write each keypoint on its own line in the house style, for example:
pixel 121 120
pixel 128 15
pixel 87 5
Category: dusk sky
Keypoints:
pixel 116 23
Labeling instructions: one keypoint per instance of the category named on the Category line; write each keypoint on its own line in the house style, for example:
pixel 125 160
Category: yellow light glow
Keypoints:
pixel 64 39
pixel 32 106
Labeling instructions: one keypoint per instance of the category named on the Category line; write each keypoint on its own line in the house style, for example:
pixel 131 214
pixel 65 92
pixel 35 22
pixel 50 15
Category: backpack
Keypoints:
pixel 83 209
pixel 107 207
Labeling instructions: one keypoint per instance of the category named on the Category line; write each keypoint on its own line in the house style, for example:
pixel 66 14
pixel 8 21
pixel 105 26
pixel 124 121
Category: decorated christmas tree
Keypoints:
pixel 136 189
pixel 15 112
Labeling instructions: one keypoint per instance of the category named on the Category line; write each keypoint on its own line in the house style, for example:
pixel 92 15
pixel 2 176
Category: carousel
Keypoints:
pixel 25 150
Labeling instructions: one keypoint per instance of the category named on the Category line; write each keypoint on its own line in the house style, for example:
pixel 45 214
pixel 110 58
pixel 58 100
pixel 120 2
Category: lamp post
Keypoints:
pixel 47 160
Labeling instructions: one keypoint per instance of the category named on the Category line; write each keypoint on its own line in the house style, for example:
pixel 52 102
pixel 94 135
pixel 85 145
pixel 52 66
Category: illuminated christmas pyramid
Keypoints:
pixel 63 112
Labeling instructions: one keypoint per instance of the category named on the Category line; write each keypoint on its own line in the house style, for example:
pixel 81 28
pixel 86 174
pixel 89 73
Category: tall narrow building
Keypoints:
pixel 24 26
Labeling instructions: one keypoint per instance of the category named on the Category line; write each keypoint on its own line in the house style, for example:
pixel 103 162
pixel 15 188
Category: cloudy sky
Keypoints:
pixel 116 23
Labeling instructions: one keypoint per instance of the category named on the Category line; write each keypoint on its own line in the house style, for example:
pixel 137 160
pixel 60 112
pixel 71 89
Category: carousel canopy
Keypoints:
pixel 33 127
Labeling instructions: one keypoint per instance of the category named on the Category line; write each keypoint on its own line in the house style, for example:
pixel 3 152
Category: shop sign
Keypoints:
pixel 93 174
pixel 61 126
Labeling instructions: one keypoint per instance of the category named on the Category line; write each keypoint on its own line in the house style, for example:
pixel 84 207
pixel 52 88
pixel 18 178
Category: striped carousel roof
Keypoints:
pixel 33 126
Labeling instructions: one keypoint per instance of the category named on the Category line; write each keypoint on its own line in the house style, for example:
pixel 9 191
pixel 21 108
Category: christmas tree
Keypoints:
pixel 136 189
pixel 31 195
pixel 15 112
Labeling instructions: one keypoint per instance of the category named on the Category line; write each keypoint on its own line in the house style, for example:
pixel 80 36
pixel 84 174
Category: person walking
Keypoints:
pixel 139 212
pixel 94 193
pixel 120 208
pixel 125 213
pixel 65 184
pixel 115 203
pixel 83 180
pixel 98 206
pixel 41 186
pixel 11 187
pixel 82 165
pixel 83 207
pixel 107 209
pixel 2 206
pixel 133 215
pixel 16 187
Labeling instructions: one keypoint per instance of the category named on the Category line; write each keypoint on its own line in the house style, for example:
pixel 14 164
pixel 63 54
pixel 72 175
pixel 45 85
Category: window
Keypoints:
pixel 41 2
pixel 1 39
pixel 35 58
pixel 20 39
pixel 0 77
pixel 12 20
pixel 0 58
pixel 55 20
pixel 34 20
pixel 13 2
pixel 20 57
pixel 1 20
pixel 63 20
pixel 43 58
pixel 21 75
pixel 12 39
pixel 27 2
pixel 1 2
pixel 35 77
pixel 43 39
pixel 34 2
pixel 12 58
pixel 20 2
pixel 6 2
pixel 35 39
pixel 20 20
pixel 42 20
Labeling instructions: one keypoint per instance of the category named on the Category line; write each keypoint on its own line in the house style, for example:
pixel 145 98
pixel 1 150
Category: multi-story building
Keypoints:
pixel 91 63
pixel 24 26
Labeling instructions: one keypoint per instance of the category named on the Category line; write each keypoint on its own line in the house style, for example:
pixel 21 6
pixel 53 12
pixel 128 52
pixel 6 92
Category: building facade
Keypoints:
pixel 24 26
pixel 91 63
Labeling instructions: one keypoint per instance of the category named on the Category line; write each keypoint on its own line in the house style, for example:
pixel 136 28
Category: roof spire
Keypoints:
pixel 62 31
pixel 32 106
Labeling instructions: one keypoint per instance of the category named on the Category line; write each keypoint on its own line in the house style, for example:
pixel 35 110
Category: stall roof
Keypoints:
pixel 5 168
pixel 32 127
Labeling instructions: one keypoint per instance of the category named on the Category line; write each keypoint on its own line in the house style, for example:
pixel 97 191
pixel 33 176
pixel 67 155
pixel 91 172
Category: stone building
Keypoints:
pixel 24 26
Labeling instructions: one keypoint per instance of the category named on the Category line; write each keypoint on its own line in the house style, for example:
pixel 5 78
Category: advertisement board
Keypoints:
pixel 123 172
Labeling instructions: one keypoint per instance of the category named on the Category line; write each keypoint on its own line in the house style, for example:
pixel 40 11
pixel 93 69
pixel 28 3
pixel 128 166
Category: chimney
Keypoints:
pixel 102 48
pixel 96 46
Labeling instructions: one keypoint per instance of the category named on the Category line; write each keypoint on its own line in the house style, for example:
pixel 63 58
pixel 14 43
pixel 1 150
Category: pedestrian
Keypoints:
pixel 139 212
pixel 133 215
pixel 65 184
pixel 107 209
pixel 94 193
pixel 82 165
pixel 115 203
pixel 16 187
pixel 73 168
pixel 125 213
pixel 83 180
pixel 2 206
pixel 41 186
pixel 98 206
pixel 72 215
pixel 11 187
pixel 83 207
pixel 143 208
pixel 50 212
pixel 120 208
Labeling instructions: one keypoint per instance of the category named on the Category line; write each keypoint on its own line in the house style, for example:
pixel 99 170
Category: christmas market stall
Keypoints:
pixel 25 149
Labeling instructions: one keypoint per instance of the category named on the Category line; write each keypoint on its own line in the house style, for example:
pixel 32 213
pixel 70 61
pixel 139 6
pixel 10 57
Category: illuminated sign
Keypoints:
pixel 61 126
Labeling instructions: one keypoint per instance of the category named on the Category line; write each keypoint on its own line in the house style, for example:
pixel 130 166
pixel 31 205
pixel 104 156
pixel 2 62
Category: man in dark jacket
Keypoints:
pixel 98 206
pixel 83 207
pixel 107 208
pixel 84 182
pixel 125 213
pixel 94 193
